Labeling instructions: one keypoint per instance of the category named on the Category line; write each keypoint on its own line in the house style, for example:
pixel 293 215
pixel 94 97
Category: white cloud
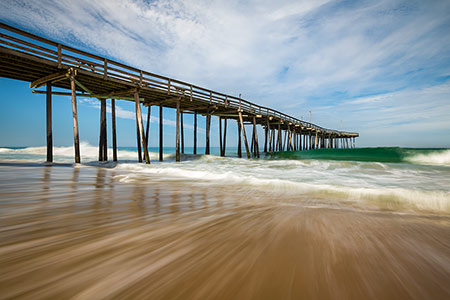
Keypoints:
pixel 290 55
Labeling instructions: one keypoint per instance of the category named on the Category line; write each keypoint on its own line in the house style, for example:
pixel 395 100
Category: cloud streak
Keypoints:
pixel 294 56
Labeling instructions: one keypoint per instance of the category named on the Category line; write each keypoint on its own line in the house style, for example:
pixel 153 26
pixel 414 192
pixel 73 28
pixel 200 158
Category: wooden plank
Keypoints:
pixel 49 123
pixel 43 80
pixel 76 136
pixel 114 136
pixel 141 127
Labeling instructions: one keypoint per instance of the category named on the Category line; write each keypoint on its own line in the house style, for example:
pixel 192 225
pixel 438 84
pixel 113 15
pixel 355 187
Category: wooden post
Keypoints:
pixel 160 132
pixel 273 140
pixel 208 129
pixel 291 146
pixel 255 133
pixel 195 132
pixel 317 141
pixel 138 139
pixel 252 144
pixel 266 136
pixel 178 132
pixel 294 138
pixel 224 135
pixel 239 140
pixel 269 136
pixel 114 137
pixel 76 137
pixel 243 133
pixel 310 140
pixel 300 140
pixel 49 123
pixel 182 131
pixel 279 138
pixel 101 141
pixel 104 135
pixel 140 128
pixel 220 135
pixel 147 129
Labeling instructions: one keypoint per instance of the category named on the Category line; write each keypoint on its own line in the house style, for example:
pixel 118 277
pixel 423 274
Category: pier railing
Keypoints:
pixel 66 56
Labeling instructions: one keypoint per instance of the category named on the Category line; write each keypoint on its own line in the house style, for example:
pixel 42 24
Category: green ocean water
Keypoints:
pixel 379 154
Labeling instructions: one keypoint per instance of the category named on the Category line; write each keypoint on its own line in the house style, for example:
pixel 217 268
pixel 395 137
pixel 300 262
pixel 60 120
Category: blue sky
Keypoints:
pixel 382 67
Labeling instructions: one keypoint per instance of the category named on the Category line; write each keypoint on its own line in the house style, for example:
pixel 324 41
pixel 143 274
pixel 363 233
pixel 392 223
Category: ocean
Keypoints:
pixel 370 223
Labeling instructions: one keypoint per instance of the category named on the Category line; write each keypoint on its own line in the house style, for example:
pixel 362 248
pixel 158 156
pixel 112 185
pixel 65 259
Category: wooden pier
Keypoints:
pixel 42 62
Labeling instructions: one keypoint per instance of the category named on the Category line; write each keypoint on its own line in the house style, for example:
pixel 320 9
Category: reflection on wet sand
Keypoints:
pixel 79 232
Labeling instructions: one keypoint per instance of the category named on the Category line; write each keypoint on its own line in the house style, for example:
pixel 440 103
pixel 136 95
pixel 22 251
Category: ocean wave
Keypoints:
pixel 384 197
pixel 87 151
pixel 433 158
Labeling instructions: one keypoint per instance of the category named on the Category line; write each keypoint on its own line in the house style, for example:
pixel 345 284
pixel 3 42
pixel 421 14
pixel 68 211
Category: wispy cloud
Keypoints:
pixel 294 56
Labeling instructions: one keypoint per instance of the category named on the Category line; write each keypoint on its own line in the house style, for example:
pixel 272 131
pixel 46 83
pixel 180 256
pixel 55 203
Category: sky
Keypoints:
pixel 379 68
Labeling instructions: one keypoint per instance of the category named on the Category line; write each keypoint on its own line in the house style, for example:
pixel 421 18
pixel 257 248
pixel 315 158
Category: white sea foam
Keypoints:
pixel 434 158
pixel 411 186
pixel 385 188
pixel 66 154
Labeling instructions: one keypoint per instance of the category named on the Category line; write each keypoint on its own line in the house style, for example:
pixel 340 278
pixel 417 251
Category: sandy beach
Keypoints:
pixel 82 233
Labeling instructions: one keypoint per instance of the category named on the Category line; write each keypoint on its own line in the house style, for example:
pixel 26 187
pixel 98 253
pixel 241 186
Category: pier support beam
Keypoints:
pixel 255 134
pixel 279 144
pixel 208 130
pixel 114 136
pixel 177 155
pixel 138 139
pixel 239 149
pixel 243 133
pixel 182 131
pixel 102 144
pixel 49 123
pixel 220 135
pixel 269 136
pixel 160 132
pixel 291 145
pixel 147 129
pixel 266 135
pixel 224 141
pixel 140 128
pixel 76 137
pixel 195 132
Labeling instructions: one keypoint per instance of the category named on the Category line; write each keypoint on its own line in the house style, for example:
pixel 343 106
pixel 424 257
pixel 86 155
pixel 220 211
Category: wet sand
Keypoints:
pixel 81 233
